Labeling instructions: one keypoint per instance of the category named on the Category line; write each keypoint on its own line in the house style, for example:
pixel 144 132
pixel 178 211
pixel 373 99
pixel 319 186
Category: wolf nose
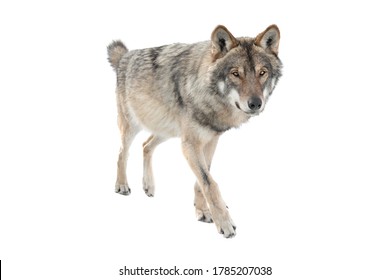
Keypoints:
pixel 254 103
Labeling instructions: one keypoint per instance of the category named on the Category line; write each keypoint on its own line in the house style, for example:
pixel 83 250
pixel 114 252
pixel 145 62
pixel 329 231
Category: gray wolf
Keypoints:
pixel 195 92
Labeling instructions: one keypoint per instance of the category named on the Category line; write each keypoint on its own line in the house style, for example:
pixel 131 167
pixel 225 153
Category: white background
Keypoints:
pixel 306 182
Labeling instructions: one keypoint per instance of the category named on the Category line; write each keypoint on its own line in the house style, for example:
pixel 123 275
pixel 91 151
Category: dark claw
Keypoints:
pixel 202 219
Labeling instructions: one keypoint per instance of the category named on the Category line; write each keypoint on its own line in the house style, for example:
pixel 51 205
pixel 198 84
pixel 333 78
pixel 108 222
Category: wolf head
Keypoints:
pixel 245 70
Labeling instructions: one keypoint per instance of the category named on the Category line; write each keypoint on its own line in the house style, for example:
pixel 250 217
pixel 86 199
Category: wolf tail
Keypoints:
pixel 115 52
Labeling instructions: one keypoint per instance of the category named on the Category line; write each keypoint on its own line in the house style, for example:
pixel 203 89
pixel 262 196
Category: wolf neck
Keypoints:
pixel 214 114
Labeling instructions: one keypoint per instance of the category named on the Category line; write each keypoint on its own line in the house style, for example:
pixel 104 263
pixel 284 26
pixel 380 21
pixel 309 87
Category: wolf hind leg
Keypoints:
pixel 148 149
pixel 128 131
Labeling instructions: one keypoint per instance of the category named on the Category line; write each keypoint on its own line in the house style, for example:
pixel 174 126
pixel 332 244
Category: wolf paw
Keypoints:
pixel 148 188
pixel 225 226
pixel 204 215
pixel 122 189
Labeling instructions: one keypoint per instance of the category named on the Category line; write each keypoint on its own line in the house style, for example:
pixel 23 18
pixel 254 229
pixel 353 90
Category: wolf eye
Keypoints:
pixel 235 74
pixel 262 72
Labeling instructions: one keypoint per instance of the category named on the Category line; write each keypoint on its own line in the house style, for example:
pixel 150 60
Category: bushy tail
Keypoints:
pixel 115 52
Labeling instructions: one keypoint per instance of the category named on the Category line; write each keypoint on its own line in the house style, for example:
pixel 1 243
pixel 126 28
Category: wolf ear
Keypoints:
pixel 269 39
pixel 222 41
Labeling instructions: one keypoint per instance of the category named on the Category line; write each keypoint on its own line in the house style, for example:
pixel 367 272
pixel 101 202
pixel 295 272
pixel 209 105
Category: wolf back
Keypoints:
pixel 186 78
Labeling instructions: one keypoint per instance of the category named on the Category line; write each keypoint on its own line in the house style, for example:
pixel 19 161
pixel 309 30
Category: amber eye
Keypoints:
pixel 235 74
pixel 262 72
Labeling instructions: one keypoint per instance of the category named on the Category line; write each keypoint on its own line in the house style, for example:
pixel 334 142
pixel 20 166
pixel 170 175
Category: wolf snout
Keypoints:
pixel 254 103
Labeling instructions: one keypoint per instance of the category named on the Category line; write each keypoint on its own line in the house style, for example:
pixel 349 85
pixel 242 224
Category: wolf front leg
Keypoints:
pixel 201 208
pixel 194 151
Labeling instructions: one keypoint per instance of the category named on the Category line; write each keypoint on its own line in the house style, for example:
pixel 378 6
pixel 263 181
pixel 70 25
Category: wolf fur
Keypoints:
pixel 195 92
